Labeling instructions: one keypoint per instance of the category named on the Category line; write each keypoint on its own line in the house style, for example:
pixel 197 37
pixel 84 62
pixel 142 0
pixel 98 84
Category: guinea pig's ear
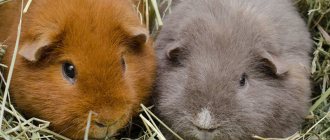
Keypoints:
pixel 175 53
pixel 32 50
pixel 139 35
pixel 278 66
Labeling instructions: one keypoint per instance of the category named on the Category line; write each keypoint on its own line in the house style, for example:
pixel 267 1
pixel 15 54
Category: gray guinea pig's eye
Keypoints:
pixel 242 81
pixel 69 72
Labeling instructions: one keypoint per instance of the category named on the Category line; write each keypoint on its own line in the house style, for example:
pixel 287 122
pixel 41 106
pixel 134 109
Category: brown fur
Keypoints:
pixel 93 35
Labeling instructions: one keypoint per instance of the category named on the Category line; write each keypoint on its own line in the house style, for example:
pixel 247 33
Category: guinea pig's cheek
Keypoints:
pixel 120 124
pixel 112 131
pixel 244 90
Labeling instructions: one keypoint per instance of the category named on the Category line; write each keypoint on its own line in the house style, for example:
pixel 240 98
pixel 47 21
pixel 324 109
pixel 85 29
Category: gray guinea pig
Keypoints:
pixel 231 69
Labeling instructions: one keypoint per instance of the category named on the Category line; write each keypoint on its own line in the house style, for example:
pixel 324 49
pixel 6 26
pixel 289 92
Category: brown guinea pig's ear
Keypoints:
pixel 32 50
pixel 278 66
pixel 139 35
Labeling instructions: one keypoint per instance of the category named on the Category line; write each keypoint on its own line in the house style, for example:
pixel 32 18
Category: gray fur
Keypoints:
pixel 218 41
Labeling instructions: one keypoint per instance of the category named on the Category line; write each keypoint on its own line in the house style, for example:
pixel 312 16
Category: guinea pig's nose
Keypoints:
pixel 100 124
pixel 204 121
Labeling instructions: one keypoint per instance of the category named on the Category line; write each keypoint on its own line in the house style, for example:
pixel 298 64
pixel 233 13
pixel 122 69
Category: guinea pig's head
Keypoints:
pixel 222 83
pixel 81 56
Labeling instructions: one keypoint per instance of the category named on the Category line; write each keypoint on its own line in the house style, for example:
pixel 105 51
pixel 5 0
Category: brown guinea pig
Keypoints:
pixel 77 56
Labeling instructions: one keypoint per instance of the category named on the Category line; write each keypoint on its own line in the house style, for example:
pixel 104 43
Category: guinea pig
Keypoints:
pixel 6 20
pixel 231 69
pixel 77 56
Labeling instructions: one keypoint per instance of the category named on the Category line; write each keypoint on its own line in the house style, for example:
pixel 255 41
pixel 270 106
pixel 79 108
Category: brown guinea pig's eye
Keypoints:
pixel 242 81
pixel 123 64
pixel 69 72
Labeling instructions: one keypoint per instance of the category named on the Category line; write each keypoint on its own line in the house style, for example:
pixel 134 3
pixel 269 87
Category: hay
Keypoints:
pixel 317 15
pixel 3 1
pixel 316 127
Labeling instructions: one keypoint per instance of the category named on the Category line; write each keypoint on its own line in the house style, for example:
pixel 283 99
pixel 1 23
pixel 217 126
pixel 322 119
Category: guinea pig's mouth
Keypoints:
pixel 190 129
pixel 108 131
pixel 193 131
pixel 202 127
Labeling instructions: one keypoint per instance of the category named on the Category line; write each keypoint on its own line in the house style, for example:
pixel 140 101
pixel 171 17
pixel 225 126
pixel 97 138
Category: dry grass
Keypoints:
pixel 317 14
pixel 316 127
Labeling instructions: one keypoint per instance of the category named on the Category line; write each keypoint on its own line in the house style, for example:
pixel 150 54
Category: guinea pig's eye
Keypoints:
pixel 69 72
pixel 242 81
pixel 123 64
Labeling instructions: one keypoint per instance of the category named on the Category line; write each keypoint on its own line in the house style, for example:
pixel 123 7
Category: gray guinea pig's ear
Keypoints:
pixel 32 50
pixel 175 52
pixel 277 65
